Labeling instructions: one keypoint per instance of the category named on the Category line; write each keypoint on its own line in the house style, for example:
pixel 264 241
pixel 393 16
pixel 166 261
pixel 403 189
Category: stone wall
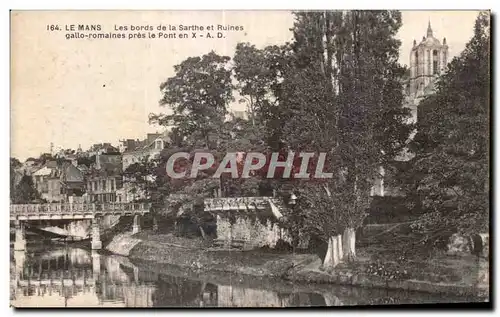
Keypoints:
pixel 254 232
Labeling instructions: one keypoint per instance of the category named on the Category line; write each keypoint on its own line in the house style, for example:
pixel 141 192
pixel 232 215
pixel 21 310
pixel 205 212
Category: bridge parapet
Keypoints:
pixel 236 203
pixel 75 210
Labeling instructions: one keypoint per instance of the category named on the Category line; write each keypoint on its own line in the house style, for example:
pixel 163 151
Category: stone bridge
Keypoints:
pixel 22 213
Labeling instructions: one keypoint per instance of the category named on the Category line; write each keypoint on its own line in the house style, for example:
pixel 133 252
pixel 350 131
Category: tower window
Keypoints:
pixel 435 53
pixel 435 67
pixel 416 64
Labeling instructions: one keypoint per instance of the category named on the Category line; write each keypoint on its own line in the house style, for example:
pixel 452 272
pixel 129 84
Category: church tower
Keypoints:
pixel 428 60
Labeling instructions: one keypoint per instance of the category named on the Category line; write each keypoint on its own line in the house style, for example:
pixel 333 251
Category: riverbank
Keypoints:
pixel 122 282
pixel 459 276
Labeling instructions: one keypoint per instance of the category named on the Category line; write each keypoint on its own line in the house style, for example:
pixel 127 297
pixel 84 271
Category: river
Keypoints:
pixel 66 276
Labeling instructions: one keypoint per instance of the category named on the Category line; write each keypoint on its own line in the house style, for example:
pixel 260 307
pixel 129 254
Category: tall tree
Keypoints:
pixel 14 165
pixel 198 95
pixel 344 97
pixel 45 157
pixel 451 169
pixel 25 191
pixel 257 72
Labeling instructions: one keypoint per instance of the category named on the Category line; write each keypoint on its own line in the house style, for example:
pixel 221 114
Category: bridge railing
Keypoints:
pixel 229 203
pixel 66 208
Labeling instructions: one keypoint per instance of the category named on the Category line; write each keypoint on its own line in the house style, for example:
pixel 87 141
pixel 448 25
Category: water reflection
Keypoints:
pixel 72 277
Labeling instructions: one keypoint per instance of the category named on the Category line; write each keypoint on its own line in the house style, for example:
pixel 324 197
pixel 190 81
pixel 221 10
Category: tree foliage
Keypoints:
pixel 25 191
pixel 335 89
pixel 198 95
pixel 343 96
pixel 15 164
pixel 148 178
pixel 450 173
pixel 258 73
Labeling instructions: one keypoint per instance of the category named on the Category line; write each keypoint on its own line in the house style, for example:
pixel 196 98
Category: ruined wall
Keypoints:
pixel 255 233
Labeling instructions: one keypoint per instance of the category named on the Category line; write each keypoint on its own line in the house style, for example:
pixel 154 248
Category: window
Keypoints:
pixel 103 184
pixel 421 88
pixel 159 145
pixel 435 62
pixel 416 63
pixel 435 67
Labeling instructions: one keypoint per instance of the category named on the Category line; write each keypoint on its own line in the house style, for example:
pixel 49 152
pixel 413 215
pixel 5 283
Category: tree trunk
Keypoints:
pixel 252 111
pixel 349 240
pixel 332 258
pixel 155 224
pixel 340 250
pixel 203 235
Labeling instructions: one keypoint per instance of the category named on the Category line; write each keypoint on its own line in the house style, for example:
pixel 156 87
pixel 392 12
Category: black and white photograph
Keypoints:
pixel 244 159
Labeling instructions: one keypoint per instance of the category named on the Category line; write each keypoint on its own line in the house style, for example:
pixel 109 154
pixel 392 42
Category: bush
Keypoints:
pixel 390 209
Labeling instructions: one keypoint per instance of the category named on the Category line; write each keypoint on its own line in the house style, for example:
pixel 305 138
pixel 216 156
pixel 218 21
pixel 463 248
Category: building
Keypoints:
pixel 428 60
pixel 135 151
pixel 72 180
pixel 102 148
pixel 47 182
pixel 238 114
pixel 56 182
pixel 105 178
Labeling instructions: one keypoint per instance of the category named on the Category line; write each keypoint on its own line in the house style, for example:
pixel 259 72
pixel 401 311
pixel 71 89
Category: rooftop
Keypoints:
pixel 429 40
pixel 132 145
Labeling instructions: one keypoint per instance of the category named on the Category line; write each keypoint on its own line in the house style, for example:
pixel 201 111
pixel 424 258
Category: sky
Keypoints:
pixel 75 92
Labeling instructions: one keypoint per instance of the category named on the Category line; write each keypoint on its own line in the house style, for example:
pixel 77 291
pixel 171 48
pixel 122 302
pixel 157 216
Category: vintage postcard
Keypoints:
pixel 249 158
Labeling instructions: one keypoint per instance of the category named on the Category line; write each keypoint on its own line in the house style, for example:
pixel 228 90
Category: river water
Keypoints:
pixel 65 276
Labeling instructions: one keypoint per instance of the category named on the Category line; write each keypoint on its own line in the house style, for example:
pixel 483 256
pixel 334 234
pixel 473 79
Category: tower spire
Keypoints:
pixel 429 29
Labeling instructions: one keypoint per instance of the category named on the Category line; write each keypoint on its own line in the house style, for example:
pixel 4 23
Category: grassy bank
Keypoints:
pixel 335 295
pixel 381 263
pixel 197 254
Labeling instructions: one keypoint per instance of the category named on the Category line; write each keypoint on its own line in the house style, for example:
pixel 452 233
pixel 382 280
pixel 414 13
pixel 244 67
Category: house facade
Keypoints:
pixel 47 182
pixel 72 180
pixel 105 178
pixel 101 148
pixel 56 182
pixel 135 151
